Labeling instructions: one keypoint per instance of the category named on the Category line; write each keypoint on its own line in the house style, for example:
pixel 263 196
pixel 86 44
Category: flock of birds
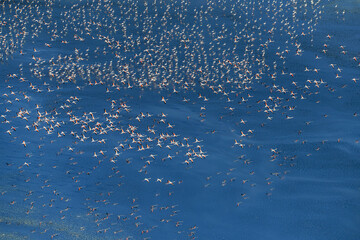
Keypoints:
pixel 118 118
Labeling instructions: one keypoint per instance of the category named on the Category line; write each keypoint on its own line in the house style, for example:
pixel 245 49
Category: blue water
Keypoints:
pixel 179 119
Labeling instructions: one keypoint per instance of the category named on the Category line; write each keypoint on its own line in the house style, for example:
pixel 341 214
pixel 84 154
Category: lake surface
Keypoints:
pixel 180 119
